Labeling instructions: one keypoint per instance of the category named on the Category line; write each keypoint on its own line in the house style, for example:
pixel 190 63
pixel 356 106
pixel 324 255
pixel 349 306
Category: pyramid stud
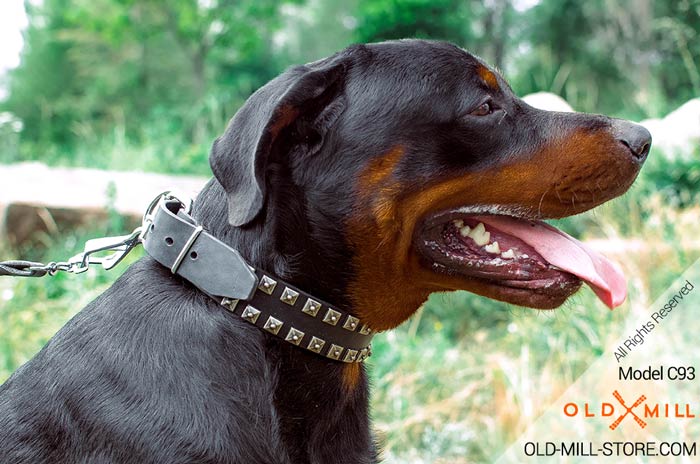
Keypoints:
pixel 335 351
pixel 229 304
pixel 332 317
pixel 365 330
pixel 351 323
pixel 316 344
pixel 289 296
pixel 350 356
pixel 311 307
pixel 273 325
pixel 250 314
pixel 364 354
pixel 294 336
pixel 267 285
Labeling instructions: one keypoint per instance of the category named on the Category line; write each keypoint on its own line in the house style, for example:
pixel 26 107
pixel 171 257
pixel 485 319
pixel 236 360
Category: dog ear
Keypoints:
pixel 240 157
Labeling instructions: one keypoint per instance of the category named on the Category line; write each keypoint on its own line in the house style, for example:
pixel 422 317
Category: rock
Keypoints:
pixel 36 197
pixel 678 134
pixel 548 101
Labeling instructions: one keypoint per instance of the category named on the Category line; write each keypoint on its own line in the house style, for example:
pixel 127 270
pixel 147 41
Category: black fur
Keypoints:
pixel 153 371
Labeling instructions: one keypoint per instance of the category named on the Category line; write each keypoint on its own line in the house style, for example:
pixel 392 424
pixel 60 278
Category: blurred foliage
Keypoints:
pixel 158 80
pixel 138 72
pixel 31 310
pixel 432 19
pixel 603 56
pixel 677 178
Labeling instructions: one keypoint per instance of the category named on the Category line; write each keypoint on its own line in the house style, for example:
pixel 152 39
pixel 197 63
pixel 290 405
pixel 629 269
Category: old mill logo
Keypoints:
pixel 628 410
pixel 640 411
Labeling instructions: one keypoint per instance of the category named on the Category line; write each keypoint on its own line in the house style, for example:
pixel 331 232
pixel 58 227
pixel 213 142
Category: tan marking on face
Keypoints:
pixel 379 170
pixel 569 175
pixel 488 77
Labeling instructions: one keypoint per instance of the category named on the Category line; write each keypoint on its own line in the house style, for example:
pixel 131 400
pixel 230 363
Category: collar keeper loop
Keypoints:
pixel 186 249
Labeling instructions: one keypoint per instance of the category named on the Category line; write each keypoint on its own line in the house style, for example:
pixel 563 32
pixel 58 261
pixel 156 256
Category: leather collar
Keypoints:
pixel 173 238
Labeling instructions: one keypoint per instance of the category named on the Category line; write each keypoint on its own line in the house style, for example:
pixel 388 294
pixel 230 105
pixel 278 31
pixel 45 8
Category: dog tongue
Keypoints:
pixel 568 254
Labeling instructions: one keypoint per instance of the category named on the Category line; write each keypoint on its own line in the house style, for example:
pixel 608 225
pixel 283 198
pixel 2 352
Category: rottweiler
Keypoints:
pixel 368 179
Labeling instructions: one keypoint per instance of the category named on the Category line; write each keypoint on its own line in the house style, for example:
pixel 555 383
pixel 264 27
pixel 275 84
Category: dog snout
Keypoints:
pixel 635 137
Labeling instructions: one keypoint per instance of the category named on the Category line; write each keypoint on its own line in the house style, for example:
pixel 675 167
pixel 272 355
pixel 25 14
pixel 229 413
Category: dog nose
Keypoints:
pixel 635 137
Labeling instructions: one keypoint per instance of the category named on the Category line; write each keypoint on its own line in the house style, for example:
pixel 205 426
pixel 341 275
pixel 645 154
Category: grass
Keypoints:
pixel 465 376
pixel 32 310
pixel 116 152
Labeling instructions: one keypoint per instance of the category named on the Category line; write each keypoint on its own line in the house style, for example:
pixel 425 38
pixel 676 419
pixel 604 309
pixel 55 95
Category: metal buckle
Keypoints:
pixel 147 220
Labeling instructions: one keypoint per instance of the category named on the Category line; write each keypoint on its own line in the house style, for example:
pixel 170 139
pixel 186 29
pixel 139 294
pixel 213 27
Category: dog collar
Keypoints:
pixel 173 238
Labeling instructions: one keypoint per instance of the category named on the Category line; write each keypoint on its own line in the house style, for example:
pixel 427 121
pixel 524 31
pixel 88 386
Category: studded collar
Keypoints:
pixel 173 238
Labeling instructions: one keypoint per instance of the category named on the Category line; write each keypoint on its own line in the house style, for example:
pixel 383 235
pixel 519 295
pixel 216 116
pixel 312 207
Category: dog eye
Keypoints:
pixel 484 109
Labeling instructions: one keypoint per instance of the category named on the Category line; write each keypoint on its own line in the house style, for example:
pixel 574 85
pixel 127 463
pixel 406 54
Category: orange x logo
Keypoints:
pixel 628 410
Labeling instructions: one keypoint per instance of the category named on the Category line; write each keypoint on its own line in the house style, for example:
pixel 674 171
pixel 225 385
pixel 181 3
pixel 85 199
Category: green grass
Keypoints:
pixel 171 154
pixel 33 309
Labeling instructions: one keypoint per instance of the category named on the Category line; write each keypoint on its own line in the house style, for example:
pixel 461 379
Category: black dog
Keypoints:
pixel 370 179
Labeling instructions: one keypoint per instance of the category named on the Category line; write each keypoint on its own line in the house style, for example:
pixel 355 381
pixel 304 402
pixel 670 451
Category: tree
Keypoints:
pixel 89 66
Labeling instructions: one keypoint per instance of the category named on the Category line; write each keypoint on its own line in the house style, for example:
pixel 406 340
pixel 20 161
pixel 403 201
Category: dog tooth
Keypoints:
pixel 464 231
pixel 510 254
pixel 458 223
pixel 480 228
pixel 479 234
pixel 493 248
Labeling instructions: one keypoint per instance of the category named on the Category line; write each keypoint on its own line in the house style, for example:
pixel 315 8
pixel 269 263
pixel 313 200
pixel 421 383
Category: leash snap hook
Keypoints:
pixel 119 246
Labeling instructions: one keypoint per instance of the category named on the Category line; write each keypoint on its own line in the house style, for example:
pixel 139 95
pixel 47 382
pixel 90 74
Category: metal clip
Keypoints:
pixel 119 247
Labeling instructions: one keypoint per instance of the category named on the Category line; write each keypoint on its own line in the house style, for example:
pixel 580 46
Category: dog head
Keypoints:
pixel 389 171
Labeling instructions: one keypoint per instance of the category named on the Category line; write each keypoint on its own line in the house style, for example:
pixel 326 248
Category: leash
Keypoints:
pixel 171 236
pixel 120 246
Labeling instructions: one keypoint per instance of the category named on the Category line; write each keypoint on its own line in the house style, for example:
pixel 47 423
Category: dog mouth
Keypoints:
pixel 515 259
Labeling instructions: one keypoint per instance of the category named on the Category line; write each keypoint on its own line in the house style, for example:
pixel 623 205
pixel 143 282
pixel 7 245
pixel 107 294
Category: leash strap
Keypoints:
pixel 19 268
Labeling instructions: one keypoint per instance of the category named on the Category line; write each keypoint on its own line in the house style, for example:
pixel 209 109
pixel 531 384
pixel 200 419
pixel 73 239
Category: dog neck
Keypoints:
pixel 283 245
pixel 305 381
pixel 281 308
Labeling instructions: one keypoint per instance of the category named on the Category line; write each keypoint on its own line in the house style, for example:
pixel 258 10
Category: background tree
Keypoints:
pixel 90 66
